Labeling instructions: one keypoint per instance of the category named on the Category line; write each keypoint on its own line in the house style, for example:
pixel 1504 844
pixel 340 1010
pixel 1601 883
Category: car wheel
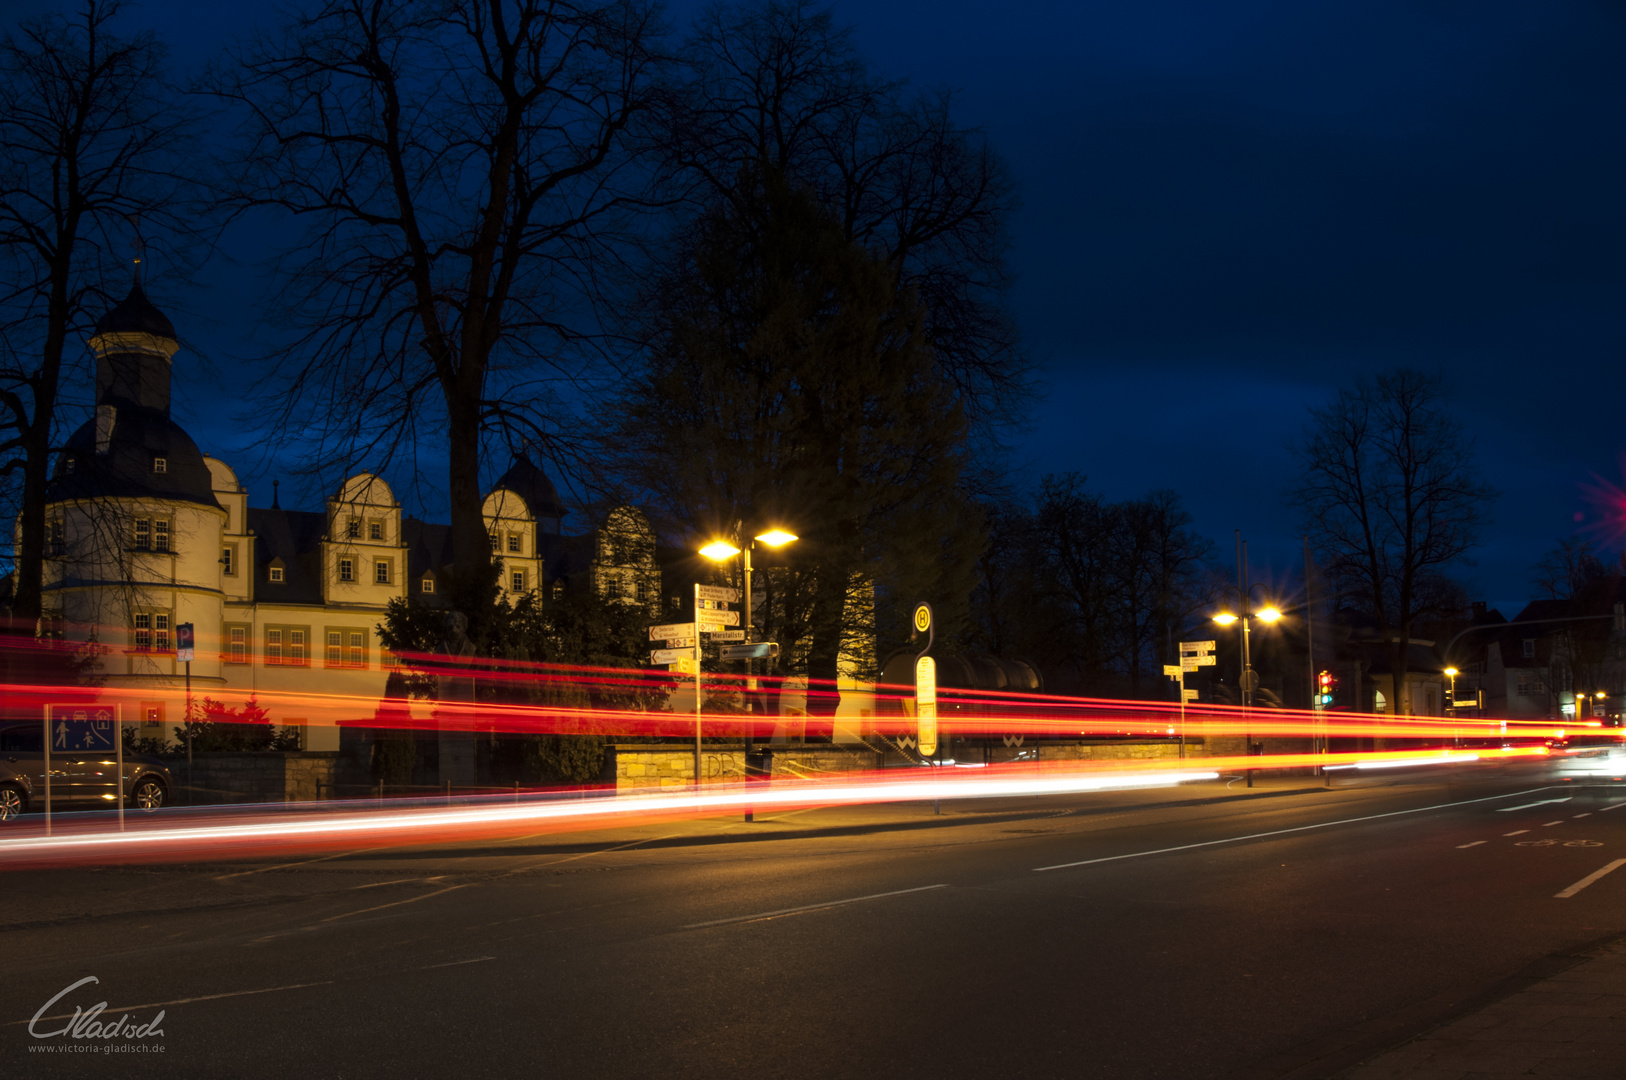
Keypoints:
pixel 149 793
pixel 12 803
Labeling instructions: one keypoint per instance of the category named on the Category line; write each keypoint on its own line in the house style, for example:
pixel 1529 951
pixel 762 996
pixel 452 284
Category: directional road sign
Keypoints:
pixel 680 643
pixel 669 656
pixel 718 619
pixel 1192 663
pixel 1196 647
pixel 727 635
pixel 757 650
pixel 671 630
pixel 717 592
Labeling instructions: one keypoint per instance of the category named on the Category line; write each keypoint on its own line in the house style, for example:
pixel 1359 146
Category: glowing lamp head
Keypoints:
pixel 1269 614
pixel 1451 673
pixel 777 537
pixel 1225 618
pixel 718 550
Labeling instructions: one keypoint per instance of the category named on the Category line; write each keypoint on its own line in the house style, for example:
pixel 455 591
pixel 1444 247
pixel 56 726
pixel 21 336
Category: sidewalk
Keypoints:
pixel 1570 1024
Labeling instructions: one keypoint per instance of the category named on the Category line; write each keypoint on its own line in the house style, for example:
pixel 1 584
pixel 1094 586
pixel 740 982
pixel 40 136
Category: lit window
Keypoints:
pixel 160 465
pixel 612 588
pixel 273 646
pixel 239 644
pixel 160 632
pixel 375 530
pixel 358 649
pixel 335 648
pixel 518 581
pixel 160 534
pixel 513 542
pixel 296 646
pixel 226 560
pixel 353 529
pixel 381 572
pixel 143 534
pixel 143 631
pixel 347 569
pixel 276 573
pixel 428 583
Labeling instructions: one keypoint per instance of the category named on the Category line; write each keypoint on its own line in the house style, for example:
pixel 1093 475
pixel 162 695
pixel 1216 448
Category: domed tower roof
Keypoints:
pixel 118 454
pixel 530 483
pixel 135 314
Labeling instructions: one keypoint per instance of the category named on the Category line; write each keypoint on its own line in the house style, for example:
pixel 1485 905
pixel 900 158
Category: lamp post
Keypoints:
pixel 722 551
pixel 1248 680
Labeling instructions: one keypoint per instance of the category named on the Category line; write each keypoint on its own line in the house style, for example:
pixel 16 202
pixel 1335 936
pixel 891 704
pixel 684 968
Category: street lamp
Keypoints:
pixel 722 551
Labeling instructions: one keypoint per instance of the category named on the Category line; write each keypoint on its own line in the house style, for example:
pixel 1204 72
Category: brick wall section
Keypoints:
pixel 256 776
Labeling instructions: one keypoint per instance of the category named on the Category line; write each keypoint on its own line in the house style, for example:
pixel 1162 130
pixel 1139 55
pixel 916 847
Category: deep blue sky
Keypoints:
pixel 1232 207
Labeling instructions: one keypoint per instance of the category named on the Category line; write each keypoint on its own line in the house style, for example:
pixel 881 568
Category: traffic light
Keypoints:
pixel 1327 683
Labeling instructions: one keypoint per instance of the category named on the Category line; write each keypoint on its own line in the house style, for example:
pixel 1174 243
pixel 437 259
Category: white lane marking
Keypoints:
pixel 458 963
pixel 1528 805
pixel 397 903
pixel 1587 814
pixel 186 1001
pixel 811 907
pixel 1516 832
pixel 1282 832
pixel 284 866
pixel 1616 806
pixel 1589 879
pixel 1476 843
pixel 1550 824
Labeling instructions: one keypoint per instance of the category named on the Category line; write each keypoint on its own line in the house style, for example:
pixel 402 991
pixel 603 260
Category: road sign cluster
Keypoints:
pixel 714 618
pixel 1193 655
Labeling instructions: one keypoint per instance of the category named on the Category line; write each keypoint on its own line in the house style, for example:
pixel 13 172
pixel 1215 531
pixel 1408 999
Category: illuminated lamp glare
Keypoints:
pixel 777 537
pixel 1269 614
pixel 718 550
pixel 1225 618
pixel 1451 673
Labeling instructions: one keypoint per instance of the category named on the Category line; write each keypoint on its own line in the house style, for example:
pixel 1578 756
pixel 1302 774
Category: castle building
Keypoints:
pixel 145 533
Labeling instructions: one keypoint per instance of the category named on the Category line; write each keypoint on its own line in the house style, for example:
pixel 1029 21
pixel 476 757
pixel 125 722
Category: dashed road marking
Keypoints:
pixel 1617 806
pixel 1587 814
pixel 810 907
pixel 1476 843
pixel 1550 824
pixel 1529 805
pixel 1516 832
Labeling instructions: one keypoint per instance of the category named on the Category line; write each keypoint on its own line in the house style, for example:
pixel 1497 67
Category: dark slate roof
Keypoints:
pixel 136 314
pixel 564 557
pixel 139 435
pixel 429 547
pixel 530 483
pixel 295 537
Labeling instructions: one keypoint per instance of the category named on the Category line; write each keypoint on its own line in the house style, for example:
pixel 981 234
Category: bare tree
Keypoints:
pixel 1391 500
pixel 460 171
pixel 778 86
pixel 90 140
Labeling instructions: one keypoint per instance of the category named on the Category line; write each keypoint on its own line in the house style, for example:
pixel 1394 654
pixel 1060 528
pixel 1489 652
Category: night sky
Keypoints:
pixel 1232 207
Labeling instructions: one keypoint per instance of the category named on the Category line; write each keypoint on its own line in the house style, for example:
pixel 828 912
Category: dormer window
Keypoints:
pixel 428 584
pixel 160 465
pixel 275 573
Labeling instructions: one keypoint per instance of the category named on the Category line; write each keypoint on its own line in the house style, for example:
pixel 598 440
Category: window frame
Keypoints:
pixel 383 571
pixel 346 568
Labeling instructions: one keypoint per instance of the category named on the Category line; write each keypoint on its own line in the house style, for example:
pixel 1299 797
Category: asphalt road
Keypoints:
pixel 1287 933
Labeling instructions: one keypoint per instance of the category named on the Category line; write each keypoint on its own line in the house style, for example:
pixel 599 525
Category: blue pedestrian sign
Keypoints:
pixel 80 728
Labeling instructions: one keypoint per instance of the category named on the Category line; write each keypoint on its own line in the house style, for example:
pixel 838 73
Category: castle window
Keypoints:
pixel 493 541
pixel 353 529
pixel 558 589
pixel 612 588
pixel 160 631
pixel 237 645
pixel 346 648
pixel 160 465
pixel 643 591
pixel 358 649
pixel 160 534
pixel 143 631
pixel 428 584
pixel 513 542
pixel 227 563
pixel 381 572
pixel 375 530
pixel 1529 648
pixel 518 581
pixel 347 569
pixel 276 574
pixel 273 646
pixel 143 534
pixel 285 645
pixel 55 542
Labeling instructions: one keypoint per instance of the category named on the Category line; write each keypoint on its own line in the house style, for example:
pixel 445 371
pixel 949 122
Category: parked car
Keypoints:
pixel 80 779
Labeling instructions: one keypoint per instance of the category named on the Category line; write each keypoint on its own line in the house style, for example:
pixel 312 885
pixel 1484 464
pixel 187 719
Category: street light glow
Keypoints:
pixel 1451 672
pixel 777 537
pixel 718 550
pixel 1269 614
pixel 1225 618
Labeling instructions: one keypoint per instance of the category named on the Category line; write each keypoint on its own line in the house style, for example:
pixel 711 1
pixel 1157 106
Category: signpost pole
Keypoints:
pixel 697 688
pixel 47 770
pixel 189 786
pixel 118 754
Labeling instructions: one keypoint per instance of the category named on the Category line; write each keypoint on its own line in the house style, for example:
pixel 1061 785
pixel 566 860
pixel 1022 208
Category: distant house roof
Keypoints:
pixel 294 537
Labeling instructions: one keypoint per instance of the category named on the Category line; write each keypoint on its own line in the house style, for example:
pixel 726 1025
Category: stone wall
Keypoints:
pixel 257 776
